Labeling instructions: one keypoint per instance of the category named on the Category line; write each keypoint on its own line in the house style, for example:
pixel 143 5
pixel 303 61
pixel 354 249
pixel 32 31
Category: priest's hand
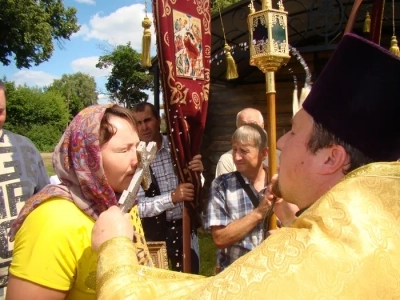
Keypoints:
pixel 111 223
pixel 265 204
pixel 285 211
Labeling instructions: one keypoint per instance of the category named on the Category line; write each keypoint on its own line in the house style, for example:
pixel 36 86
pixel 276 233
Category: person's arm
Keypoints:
pixel 18 289
pixel 235 231
pixel 105 229
pixel 225 236
pixel 115 274
pixel 153 206
pixel 119 276
pixel 218 220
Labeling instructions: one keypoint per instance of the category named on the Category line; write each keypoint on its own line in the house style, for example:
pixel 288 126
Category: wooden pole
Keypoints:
pixel 376 21
pixel 271 130
pixel 156 82
pixel 186 239
pixel 353 16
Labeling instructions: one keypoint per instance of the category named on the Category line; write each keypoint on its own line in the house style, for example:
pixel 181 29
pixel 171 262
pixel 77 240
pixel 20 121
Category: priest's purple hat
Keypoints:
pixel 357 98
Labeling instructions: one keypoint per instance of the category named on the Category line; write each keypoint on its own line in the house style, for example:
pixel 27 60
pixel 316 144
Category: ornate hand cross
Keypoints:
pixel 142 175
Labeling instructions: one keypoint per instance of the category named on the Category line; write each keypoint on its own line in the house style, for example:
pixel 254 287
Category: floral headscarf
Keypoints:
pixel 78 164
pixel 77 161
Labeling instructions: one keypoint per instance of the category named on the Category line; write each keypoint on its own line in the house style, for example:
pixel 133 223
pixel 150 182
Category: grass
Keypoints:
pixel 206 244
pixel 207 254
pixel 48 163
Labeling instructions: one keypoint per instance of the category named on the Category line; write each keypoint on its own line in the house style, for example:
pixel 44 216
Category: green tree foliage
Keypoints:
pixel 78 89
pixel 222 4
pixel 29 29
pixel 128 79
pixel 39 115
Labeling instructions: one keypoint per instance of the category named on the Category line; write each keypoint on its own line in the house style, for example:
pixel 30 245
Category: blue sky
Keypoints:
pixel 103 23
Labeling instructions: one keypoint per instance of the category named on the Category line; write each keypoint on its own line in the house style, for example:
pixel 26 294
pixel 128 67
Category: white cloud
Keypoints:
pixel 88 65
pixel 151 96
pixel 86 1
pixel 120 27
pixel 103 99
pixel 33 78
pixel 84 30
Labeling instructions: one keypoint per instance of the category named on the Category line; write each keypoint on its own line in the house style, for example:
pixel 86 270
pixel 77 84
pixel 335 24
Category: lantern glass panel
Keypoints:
pixel 278 29
pixel 260 30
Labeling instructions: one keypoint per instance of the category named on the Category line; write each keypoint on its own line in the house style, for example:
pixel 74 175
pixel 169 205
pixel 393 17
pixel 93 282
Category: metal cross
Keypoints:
pixel 142 175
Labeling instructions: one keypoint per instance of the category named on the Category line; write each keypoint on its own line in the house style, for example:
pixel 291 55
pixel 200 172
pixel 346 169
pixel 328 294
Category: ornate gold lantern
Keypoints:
pixel 269 49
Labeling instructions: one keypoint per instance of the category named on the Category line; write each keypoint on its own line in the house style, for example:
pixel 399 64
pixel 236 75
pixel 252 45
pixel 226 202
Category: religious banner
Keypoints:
pixel 184 53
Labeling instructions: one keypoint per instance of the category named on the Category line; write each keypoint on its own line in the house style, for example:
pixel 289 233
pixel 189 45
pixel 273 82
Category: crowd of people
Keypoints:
pixel 338 166
pixel 336 195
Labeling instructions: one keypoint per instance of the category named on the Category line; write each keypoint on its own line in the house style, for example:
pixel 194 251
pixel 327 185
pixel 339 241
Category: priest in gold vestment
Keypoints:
pixel 338 164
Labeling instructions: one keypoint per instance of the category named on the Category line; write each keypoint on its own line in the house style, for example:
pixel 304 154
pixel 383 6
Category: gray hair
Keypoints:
pixel 251 134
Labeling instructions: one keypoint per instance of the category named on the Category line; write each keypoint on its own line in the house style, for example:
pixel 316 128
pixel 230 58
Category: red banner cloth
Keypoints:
pixel 184 53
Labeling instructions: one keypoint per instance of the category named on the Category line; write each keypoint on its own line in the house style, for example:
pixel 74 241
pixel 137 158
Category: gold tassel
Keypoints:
pixel 146 42
pixel 231 70
pixel 367 23
pixel 394 48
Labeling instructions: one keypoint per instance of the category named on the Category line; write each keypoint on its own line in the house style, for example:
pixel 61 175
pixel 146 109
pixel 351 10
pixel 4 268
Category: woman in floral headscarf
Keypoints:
pixel 95 161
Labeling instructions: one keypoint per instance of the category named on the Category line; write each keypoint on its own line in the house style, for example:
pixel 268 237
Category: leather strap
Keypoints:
pixel 248 190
